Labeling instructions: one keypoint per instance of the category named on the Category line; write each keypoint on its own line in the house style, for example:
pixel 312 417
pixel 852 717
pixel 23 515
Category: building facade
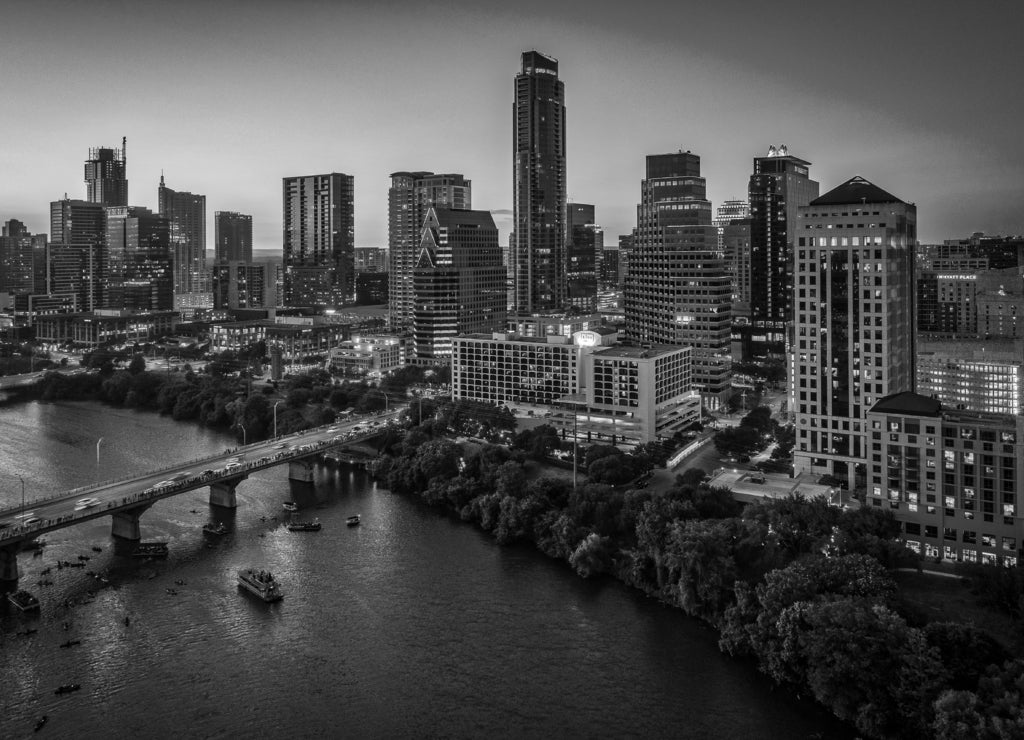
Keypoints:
pixel 18 253
pixel 584 249
pixel 973 374
pixel 76 260
pixel 138 260
pixel 458 281
pixel 411 195
pixel 106 179
pixel 241 285
pixel 186 214
pixel 854 321
pixel 232 236
pixel 950 478
pixel 778 187
pixel 539 187
pixel 677 289
pixel 319 240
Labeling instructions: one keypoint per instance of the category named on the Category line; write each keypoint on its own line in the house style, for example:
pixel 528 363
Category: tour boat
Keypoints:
pixel 313 526
pixel 218 528
pixel 290 506
pixel 24 601
pixel 150 550
pixel 353 521
pixel 261 583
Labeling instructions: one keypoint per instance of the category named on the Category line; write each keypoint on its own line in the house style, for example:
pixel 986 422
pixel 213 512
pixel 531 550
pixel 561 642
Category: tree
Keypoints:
pixel 592 556
pixel 137 365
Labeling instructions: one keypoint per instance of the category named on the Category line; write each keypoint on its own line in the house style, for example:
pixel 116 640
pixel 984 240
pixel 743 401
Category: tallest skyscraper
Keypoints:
pixel 105 175
pixel 538 124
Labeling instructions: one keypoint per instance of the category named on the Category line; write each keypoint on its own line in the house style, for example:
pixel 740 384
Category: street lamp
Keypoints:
pixel 275 418
pixel 242 427
pixel 386 401
pixel 98 442
pixel 22 494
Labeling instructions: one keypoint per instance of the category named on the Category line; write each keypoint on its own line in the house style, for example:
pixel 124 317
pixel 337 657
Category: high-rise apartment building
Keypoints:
pixel 539 195
pixel 854 321
pixel 239 284
pixel 371 259
pixel 584 249
pixel 411 195
pixel 232 234
pixel 677 288
pixel 779 186
pixel 319 240
pixel 18 250
pixel 458 281
pixel 77 260
pixel 138 260
pixel 106 177
pixel 186 213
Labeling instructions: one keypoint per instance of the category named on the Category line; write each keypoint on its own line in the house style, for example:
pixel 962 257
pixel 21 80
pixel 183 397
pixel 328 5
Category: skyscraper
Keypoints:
pixel 677 289
pixel 779 185
pixel 105 175
pixel 319 240
pixel 410 197
pixel 77 258
pixel 538 124
pixel 232 233
pixel 854 321
pixel 583 251
pixel 18 249
pixel 186 213
pixel 458 282
pixel 138 249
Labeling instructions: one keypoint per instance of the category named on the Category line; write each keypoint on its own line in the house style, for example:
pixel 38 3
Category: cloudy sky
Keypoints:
pixel 226 98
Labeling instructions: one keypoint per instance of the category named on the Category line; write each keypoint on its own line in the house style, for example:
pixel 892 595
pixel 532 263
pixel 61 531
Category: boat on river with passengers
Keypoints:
pixel 260 583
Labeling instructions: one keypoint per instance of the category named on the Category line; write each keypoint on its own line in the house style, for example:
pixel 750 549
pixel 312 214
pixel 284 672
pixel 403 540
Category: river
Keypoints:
pixel 410 625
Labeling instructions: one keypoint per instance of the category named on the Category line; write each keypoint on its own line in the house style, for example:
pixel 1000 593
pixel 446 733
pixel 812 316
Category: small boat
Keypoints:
pixel 39 724
pixel 97 549
pixel 313 526
pixel 290 506
pixel 218 528
pixel 150 550
pixel 353 521
pixel 83 557
pixel 261 583
pixel 76 565
pixel 172 591
pixel 70 643
pixel 24 600
pixel 67 688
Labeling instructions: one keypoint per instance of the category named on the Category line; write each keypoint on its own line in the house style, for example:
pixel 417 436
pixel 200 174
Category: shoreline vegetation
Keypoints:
pixel 806 590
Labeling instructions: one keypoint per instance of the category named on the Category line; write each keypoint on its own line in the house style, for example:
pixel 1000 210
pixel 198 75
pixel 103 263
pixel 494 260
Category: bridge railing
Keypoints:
pixel 197 461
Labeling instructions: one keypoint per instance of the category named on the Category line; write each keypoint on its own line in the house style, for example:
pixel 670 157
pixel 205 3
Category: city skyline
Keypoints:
pixel 909 98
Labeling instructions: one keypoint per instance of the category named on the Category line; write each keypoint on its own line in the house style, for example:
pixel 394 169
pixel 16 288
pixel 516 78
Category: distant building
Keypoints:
pixel 584 248
pixel 18 251
pixel 678 291
pixel 972 374
pixel 232 237
pixel 539 187
pixel 300 340
pixel 553 324
pixel 609 275
pixel 106 180
pixel 779 186
pixel 951 478
pixel 372 288
pixel 319 240
pixel 138 264
pixel 728 211
pixel 458 281
pixel 77 258
pixel 411 195
pixel 104 327
pixel 371 259
pixel 367 356
pixel 239 285
pixel 186 214
pixel 854 321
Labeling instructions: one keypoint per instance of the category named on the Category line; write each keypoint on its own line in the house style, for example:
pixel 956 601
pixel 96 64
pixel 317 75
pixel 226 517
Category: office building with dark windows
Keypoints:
pixel 458 281
pixel 539 187
pixel 411 195
pixel 584 250
pixel 319 240
pixel 950 477
pixel 778 187
pixel 18 252
pixel 186 214
pixel 854 322
pixel 677 289
pixel 76 259
pixel 138 260
pixel 239 285
pixel 106 179
pixel 232 236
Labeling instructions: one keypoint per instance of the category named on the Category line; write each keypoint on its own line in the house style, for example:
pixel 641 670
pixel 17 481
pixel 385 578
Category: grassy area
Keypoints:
pixel 940 598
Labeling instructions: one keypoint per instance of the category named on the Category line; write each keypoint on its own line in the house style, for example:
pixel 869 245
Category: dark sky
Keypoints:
pixel 922 98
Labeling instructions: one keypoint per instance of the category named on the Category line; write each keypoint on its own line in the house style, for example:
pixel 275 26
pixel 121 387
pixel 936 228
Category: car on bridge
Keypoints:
pixel 85 503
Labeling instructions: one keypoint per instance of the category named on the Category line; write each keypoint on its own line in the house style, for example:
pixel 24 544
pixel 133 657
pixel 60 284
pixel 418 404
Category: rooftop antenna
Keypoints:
pixel 124 148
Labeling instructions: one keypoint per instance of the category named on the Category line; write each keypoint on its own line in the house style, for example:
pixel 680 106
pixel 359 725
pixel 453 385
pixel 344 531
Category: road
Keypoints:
pixel 67 508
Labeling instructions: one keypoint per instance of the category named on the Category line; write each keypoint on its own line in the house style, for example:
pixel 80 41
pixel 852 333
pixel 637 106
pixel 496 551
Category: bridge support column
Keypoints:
pixel 301 470
pixel 9 572
pixel 124 524
pixel 222 493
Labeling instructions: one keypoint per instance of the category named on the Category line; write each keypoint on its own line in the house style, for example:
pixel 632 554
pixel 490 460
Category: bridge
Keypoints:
pixel 125 500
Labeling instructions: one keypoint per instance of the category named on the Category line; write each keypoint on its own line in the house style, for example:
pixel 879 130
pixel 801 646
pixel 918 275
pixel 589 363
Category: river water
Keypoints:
pixel 411 625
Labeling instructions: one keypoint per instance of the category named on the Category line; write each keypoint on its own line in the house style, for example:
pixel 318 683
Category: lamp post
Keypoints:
pixel 275 418
pixel 242 427
pixel 98 443
pixel 22 494
pixel 387 403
